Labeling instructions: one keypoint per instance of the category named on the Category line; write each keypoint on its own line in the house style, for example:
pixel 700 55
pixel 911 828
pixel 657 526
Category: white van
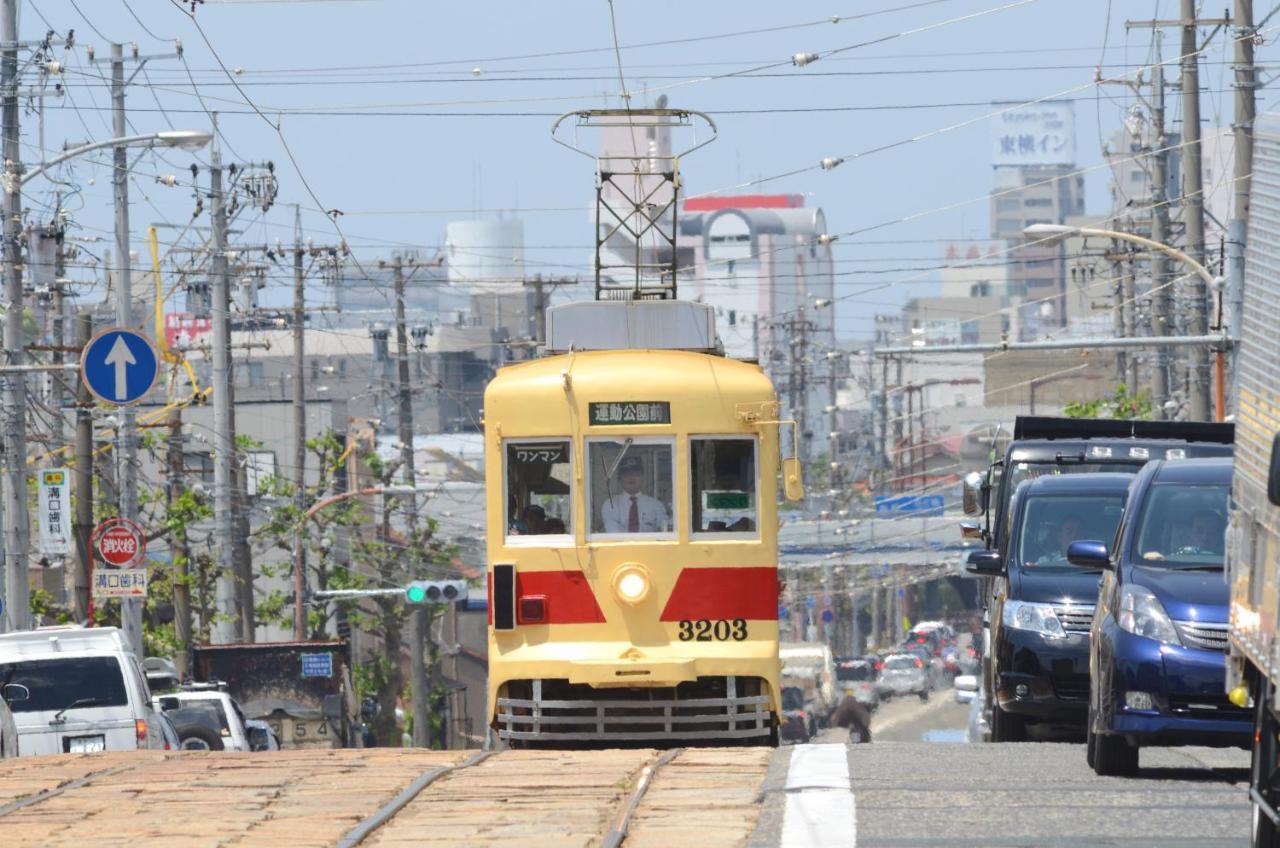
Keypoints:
pixel 84 691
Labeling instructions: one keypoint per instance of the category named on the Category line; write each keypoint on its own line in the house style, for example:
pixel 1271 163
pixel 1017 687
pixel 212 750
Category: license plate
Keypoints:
pixel 86 744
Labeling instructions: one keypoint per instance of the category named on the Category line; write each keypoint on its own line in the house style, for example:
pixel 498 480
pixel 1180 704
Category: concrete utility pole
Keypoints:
pixel 1118 326
pixel 1193 211
pixel 299 419
pixel 1160 300
pixel 833 423
pixel 178 549
pixel 224 629
pixel 420 629
pixel 1245 109
pixel 130 608
pixel 17 528
pixel 82 528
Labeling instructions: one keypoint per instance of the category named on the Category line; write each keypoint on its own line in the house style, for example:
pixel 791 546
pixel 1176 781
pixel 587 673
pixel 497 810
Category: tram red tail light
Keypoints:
pixel 533 609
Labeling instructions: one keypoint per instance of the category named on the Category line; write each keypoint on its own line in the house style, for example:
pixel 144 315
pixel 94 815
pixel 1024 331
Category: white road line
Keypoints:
pixel 820 810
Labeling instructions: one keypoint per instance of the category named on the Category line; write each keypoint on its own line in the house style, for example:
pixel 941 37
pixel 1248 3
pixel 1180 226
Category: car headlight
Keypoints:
pixel 1141 613
pixel 1036 618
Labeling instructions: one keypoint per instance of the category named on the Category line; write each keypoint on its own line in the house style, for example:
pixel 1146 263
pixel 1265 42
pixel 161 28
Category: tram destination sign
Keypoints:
pixel 630 412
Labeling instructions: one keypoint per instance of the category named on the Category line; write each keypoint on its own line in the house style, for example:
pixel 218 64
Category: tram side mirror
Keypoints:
pixel 1273 474
pixel 792 479
pixel 974 494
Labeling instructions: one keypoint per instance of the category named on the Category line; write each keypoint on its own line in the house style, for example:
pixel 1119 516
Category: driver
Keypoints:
pixel 631 510
pixel 1070 530
pixel 1204 534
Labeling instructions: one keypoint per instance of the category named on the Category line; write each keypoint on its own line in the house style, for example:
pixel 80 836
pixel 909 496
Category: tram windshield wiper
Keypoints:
pixel 626 445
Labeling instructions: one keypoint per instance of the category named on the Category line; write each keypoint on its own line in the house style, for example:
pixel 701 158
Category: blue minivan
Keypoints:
pixel 1158 641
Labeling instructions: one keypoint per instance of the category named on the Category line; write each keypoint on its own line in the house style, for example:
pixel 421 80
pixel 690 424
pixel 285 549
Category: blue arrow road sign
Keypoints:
pixel 119 366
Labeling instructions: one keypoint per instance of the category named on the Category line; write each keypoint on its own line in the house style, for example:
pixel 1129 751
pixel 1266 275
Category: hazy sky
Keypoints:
pixel 406 114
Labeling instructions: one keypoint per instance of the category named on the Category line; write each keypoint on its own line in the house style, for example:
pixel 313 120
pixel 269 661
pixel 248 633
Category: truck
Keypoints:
pixel 302 690
pixel 1043 445
pixel 1253 534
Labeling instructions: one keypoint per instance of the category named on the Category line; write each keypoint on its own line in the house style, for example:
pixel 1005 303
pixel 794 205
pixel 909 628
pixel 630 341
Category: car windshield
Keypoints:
pixel 56 684
pixel 792 698
pixel 900 663
pixel 1031 470
pixel 207 713
pixel 1183 526
pixel 1050 523
pixel 849 672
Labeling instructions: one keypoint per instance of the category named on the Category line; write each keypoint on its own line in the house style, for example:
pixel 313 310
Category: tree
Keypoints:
pixel 1120 405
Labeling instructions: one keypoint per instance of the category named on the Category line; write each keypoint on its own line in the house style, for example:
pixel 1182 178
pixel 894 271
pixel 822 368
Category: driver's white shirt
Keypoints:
pixel 616 511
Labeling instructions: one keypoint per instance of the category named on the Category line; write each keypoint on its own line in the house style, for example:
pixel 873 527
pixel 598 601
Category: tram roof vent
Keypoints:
pixel 632 325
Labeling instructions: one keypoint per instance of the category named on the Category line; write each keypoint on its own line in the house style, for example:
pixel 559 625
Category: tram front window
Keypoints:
pixel 631 486
pixel 723 471
pixel 539 489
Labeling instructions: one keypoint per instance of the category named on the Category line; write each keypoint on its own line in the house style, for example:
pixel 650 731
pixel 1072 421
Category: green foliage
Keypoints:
pixel 1120 405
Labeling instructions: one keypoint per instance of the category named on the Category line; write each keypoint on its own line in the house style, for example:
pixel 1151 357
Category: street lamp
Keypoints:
pixel 1056 233
pixel 181 139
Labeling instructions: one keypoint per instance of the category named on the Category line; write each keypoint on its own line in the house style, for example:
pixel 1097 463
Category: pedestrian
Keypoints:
pixel 854 716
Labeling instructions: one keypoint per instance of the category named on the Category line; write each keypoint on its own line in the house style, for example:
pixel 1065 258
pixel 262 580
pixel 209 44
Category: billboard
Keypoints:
pixel 1037 134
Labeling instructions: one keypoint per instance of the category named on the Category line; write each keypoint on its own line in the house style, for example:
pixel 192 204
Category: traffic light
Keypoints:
pixel 435 591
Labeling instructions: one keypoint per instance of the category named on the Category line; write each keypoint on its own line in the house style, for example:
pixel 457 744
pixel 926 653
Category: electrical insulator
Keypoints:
pixel 802 59
pixel 831 162
pixel 826 238
pixel 53 68
pixel 168 179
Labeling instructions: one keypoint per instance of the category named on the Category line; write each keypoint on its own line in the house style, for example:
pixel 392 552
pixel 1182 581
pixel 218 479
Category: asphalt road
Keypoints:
pixel 911 792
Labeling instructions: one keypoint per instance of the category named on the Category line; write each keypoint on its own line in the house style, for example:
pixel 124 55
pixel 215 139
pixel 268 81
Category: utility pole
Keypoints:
pixel 17 529
pixel 421 615
pixel 1128 284
pixel 1193 212
pixel 833 433
pixel 299 422
pixel 179 550
pixel 130 608
pixel 1242 125
pixel 223 630
pixel 1160 300
pixel 82 528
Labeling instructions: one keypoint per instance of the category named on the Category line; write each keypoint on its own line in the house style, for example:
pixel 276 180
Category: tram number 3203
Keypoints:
pixel 706 630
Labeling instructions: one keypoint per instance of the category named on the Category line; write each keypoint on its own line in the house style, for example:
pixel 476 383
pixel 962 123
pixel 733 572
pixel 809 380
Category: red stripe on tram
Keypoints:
pixel 716 593
pixel 569 596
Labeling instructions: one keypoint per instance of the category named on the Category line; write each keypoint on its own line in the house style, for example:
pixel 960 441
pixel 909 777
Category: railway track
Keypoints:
pixel 385 797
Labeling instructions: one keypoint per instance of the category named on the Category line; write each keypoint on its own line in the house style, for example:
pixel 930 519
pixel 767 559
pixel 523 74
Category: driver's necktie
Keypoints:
pixel 633 519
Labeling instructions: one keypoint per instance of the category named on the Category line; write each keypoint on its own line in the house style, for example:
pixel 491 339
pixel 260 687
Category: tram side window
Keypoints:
pixel 539 489
pixel 631 486
pixel 723 475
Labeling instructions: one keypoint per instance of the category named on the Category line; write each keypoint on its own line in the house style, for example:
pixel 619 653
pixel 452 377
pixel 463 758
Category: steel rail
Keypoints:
pixel 622 821
pixel 388 810
pixel 44 795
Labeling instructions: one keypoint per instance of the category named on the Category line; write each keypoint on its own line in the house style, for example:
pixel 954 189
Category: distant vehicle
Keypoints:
pixel 261 736
pixel 85 691
pixel 205 719
pixel 904 674
pixel 799 724
pixel 1041 606
pixel 857 678
pixel 9 730
pixel 966 688
pixel 1159 638
pixel 811 666
pixel 977 730
pixel 172 741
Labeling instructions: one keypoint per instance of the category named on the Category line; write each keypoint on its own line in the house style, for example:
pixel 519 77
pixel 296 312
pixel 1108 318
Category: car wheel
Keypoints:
pixel 924 695
pixel 1113 755
pixel 195 737
pixel 1264 831
pixel 1089 739
pixel 1007 727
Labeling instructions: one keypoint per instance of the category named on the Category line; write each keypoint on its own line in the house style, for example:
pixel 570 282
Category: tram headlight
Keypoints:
pixel 631 584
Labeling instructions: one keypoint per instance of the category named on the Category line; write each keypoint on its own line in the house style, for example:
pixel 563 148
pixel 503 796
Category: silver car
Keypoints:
pixel 904 674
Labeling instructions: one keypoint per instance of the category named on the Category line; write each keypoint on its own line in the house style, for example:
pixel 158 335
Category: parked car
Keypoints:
pixel 798 722
pixel 85 689
pixel 857 678
pixel 261 736
pixel 904 674
pixel 1159 637
pixel 810 666
pixel 172 741
pixel 9 730
pixel 206 719
pixel 1037 671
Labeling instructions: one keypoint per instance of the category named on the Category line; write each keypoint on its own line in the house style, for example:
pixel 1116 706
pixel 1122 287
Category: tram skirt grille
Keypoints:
pixel 712 708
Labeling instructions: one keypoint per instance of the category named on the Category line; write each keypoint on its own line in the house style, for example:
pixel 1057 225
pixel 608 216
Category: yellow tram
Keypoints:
pixel 632 537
